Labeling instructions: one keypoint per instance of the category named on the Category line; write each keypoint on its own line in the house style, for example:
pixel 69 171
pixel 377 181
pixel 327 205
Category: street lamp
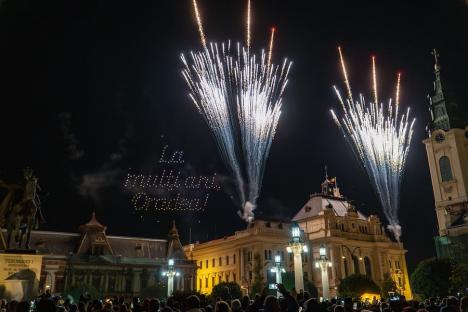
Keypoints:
pixel 170 273
pixel 296 246
pixel 323 263
pixel 278 269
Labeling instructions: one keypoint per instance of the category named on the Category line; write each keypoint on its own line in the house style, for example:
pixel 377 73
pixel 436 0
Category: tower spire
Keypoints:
pixel 438 108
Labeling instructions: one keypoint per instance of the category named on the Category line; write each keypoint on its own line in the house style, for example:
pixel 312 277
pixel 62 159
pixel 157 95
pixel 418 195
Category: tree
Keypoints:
pixel 288 280
pixel 388 285
pixel 89 291
pixel 459 277
pixel 155 291
pixel 226 291
pixel 431 277
pixel 257 284
pixel 357 284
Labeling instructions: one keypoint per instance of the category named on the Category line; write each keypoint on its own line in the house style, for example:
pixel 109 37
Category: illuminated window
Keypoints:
pixel 445 169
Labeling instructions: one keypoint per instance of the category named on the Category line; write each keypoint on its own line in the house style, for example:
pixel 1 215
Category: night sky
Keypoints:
pixel 90 89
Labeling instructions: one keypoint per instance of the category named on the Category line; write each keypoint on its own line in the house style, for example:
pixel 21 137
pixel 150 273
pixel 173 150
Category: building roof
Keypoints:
pixel 318 203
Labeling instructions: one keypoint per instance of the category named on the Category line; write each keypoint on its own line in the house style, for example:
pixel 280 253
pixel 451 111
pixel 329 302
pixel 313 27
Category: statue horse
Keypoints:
pixel 20 214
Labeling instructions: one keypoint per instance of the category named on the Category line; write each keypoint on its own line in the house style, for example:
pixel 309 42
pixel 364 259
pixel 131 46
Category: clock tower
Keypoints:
pixel 447 154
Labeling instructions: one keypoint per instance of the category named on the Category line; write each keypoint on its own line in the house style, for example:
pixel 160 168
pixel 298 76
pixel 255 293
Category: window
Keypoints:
pixel 200 283
pixel 220 261
pixel 356 265
pixel 219 279
pixel 213 263
pixel 445 169
pixel 227 260
pixel 368 267
pixel 234 258
pixel 206 264
pixel 269 254
pixel 345 264
pixel 206 282
pixel 212 281
pixel 201 264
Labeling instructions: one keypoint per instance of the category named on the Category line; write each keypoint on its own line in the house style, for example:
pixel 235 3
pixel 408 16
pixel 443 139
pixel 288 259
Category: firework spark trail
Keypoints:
pixel 260 87
pixel 270 46
pixel 199 23
pixel 397 95
pixel 210 85
pixel 248 25
pixel 374 80
pixel 381 138
pixel 345 75
pixel 239 87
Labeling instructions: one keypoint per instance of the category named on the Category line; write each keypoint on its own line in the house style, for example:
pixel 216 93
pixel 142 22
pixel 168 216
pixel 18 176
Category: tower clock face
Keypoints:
pixel 439 137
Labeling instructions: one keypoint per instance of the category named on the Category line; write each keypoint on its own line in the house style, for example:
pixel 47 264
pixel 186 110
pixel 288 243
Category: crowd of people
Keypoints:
pixel 287 302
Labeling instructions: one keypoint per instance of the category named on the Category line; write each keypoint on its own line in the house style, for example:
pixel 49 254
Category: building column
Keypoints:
pixel 136 282
pixel 151 278
pixel 106 283
pixel 298 274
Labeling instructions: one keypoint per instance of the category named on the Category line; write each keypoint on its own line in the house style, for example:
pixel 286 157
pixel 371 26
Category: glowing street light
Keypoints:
pixel 297 246
pixel 278 269
pixel 170 273
pixel 323 263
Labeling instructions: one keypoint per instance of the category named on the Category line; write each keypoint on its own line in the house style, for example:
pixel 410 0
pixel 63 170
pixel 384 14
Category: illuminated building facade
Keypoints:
pixel 447 155
pixel 354 244
pixel 113 265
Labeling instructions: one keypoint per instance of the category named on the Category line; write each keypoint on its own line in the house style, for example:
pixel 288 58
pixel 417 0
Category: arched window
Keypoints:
pixel 445 169
pixel 345 264
pixel 356 265
pixel 367 265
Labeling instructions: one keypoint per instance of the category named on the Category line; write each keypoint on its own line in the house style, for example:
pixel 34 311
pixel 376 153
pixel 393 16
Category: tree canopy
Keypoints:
pixel 226 291
pixel 357 284
pixel 432 277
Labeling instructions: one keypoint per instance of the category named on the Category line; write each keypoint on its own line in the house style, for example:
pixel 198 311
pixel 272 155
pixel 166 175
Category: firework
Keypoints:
pixel 208 76
pixel 259 89
pixel 238 90
pixel 380 138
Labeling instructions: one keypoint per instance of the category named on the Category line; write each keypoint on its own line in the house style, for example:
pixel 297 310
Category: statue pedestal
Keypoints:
pixel 20 271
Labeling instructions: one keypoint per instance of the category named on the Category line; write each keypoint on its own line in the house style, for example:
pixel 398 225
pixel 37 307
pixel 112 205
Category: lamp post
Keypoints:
pixel 296 246
pixel 170 273
pixel 323 263
pixel 278 269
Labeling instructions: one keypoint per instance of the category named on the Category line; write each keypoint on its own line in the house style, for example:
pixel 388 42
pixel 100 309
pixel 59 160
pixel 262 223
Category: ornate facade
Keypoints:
pixel 355 244
pixel 114 265
pixel 447 154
